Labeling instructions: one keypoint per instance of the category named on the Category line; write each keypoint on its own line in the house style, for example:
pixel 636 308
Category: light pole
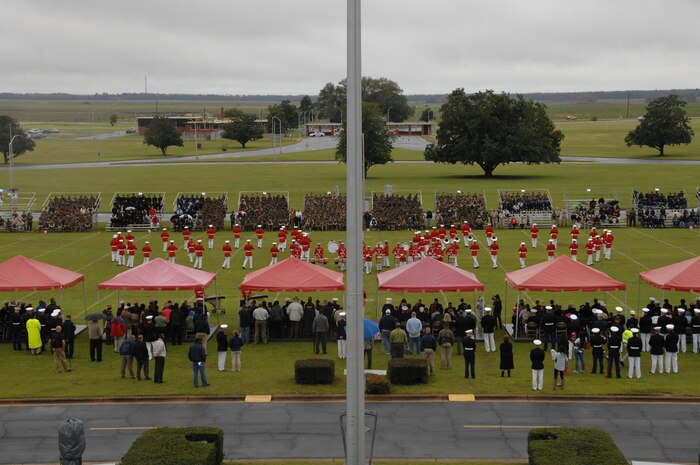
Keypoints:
pixel 11 154
pixel 279 126
pixel 387 115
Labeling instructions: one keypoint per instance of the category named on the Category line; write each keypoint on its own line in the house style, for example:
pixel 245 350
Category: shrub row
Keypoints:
pixel 408 371
pixel 572 446
pixel 177 446
pixel 314 371
pixel 377 384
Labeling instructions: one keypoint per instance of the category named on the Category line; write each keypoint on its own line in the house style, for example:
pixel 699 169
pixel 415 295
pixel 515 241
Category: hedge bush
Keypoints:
pixel 177 446
pixel 408 371
pixel 314 371
pixel 377 384
pixel 573 446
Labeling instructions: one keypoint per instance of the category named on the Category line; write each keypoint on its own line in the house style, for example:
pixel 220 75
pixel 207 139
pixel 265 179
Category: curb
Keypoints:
pixel 337 398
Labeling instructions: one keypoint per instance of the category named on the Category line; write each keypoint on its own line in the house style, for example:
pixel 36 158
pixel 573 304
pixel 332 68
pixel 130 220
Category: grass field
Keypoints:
pixel 268 369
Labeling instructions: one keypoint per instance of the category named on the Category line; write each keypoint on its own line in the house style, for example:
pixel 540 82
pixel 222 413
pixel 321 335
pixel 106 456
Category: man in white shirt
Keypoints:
pixel 260 315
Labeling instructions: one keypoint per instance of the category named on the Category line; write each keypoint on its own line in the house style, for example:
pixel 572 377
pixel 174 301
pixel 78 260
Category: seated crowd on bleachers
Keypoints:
pixel 596 213
pixel 324 212
pixel 69 214
pixel 270 211
pixel 456 208
pixel 135 209
pixel 395 212
pixel 656 199
pixel 16 222
pixel 516 202
pixel 197 212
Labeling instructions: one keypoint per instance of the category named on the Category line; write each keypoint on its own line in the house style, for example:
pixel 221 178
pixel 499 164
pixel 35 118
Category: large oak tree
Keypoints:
pixel 243 129
pixel 489 129
pixel 162 133
pixel 665 123
pixel 9 127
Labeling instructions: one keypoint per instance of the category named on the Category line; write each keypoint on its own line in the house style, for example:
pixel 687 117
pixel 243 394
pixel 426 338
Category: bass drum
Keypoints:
pixel 332 246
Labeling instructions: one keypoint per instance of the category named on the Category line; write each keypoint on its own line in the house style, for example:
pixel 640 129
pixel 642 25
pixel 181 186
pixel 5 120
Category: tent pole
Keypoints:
pixel 639 290
pixel 376 305
pixel 517 311
pixel 625 298
pixel 60 298
pixel 85 298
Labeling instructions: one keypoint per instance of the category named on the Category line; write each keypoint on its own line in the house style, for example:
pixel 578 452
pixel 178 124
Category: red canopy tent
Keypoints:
pixel 427 275
pixel 681 277
pixel 24 274
pixel 561 275
pixel 293 274
pixel 160 275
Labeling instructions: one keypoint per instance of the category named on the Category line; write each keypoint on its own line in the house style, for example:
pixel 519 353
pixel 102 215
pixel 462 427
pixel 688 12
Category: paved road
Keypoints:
pixel 480 430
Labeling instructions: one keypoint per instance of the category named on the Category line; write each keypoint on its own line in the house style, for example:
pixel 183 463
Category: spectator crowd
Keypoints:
pixel 197 212
pixel 324 212
pixel 135 209
pixel 69 214
pixel 396 212
pixel 270 211
pixel 515 202
pixel 656 199
pixel 456 208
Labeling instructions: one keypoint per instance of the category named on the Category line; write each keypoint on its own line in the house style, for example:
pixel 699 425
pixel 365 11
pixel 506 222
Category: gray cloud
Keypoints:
pixel 253 47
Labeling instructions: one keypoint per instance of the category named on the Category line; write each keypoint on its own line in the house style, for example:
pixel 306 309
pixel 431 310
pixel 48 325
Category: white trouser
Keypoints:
pixel 645 341
pixel 494 260
pixel 454 261
pixel 534 242
pixel 120 259
pixel 386 262
pixel 165 246
pixel 273 260
pixel 550 257
pixel 657 360
pixel 466 241
pixel 522 263
pixel 488 240
pixel 342 266
pixel 221 362
pixel 198 262
pixel 537 379
pixel 379 264
pixel 476 262
pixel 489 343
pixel 114 255
pixel 696 343
pixel 623 352
pixel 305 254
pixel 597 255
pixel 671 361
pixel 574 258
pixel 682 343
pixel 171 259
pixel 184 244
pixel 248 260
pixel 260 243
pixel 590 259
pixel 210 242
pixel 283 246
pixel 608 253
pixel 191 256
pixel 635 366
pixel 227 263
pixel 342 343
pixel 146 259
pixel 130 261
pixel 236 242
pixel 368 267
pixel 554 241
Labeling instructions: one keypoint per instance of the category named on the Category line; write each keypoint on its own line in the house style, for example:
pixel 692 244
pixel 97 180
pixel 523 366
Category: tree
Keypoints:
pixel 234 113
pixel 243 130
pixel 331 102
pixel 389 96
pixel 665 123
pixel 305 104
pixel 377 143
pixel 427 115
pixel 287 112
pixel 162 133
pixel 491 129
pixel 113 118
pixel 9 127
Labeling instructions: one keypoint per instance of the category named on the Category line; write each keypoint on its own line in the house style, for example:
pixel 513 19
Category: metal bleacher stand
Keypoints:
pixel 576 198
pixel 539 217
pixel 24 201
pixel 135 226
pixel 670 212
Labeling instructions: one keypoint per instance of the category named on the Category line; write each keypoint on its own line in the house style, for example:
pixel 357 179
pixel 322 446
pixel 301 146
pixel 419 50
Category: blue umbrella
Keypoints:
pixel 371 328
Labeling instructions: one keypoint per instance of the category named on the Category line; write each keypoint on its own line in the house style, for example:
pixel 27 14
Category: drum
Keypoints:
pixel 332 246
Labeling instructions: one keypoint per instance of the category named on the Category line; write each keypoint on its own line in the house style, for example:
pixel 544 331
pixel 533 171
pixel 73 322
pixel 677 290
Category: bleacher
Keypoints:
pixel 397 210
pixel 583 206
pixel 69 211
pixel 536 205
pixel 198 210
pixel 129 210
pixel 658 202
pixel 11 210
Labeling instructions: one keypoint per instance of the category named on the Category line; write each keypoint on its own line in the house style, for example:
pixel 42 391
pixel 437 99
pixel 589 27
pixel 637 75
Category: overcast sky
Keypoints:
pixel 294 47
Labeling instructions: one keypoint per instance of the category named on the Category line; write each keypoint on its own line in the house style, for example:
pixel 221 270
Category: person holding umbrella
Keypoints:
pixel 371 328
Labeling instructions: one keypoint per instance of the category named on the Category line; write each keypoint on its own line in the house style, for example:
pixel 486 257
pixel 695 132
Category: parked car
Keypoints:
pixel 131 131
pixel 317 134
